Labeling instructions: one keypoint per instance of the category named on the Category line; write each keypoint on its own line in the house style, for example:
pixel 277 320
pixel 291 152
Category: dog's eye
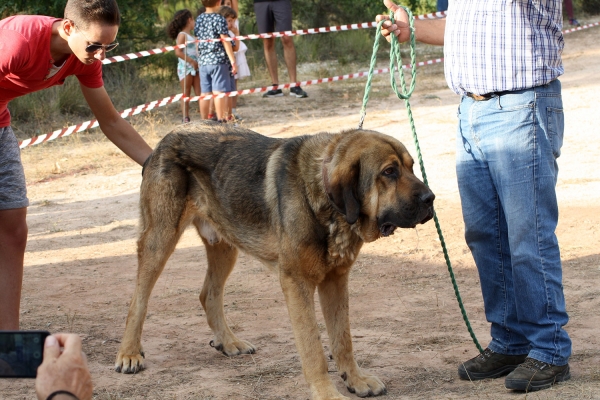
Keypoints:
pixel 389 171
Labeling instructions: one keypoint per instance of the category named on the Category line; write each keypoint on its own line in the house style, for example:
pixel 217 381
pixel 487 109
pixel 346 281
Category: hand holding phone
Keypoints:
pixel 64 369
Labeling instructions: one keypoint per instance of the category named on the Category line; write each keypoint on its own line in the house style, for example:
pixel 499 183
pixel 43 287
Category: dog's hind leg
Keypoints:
pixel 221 259
pixel 163 221
pixel 333 295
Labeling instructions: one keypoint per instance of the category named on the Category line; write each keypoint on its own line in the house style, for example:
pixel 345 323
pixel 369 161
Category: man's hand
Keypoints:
pixel 64 369
pixel 430 31
pixel 400 28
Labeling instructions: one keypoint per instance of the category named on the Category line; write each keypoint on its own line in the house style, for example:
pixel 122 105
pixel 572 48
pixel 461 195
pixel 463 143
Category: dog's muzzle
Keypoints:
pixel 408 216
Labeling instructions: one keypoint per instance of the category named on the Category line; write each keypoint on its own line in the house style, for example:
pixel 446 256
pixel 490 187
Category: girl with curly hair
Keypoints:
pixel 187 67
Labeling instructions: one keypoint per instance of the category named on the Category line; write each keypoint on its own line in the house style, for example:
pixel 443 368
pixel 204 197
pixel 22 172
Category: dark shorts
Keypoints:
pixel 273 16
pixel 13 192
pixel 215 78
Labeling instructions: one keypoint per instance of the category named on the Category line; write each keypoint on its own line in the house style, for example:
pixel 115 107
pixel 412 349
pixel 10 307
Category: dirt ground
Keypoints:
pixel 407 328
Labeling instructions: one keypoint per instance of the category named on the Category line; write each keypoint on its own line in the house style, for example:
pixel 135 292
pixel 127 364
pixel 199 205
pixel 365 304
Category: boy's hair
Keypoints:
pixel 178 22
pixel 227 12
pixel 86 12
pixel 211 3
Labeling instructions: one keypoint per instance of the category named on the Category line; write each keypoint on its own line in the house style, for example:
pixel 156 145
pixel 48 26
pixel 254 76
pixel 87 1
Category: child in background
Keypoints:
pixel 243 70
pixel 216 59
pixel 187 66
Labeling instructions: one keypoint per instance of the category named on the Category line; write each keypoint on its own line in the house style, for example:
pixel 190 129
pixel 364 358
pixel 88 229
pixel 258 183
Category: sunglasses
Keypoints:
pixel 94 47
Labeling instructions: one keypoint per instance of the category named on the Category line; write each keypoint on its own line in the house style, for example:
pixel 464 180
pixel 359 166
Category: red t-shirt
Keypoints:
pixel 25 61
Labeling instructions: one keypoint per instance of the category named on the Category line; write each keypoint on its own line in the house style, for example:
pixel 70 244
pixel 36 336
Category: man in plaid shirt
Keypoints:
pixel 504 59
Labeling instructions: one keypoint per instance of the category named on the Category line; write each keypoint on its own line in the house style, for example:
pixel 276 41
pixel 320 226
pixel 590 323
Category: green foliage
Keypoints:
pixel 143 27
pixel 138 23
pixel 419 6
pixel 587 6
pixel 354 45
pixel 53 8
pixel 318 13
pixel 166 9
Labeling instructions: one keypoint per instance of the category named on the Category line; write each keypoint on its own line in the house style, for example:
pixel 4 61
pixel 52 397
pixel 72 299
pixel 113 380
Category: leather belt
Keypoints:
pixel 484 97
pixel 487 96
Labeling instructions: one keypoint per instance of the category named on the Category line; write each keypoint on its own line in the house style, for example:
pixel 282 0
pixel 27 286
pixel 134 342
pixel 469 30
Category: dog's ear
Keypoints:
pixel 341 185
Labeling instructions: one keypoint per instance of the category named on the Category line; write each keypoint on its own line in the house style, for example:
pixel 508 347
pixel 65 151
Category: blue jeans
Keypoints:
pixel 506 167
pixel 442 5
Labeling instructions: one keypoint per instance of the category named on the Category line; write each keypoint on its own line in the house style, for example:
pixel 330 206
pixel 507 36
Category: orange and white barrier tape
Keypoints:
pixel 325 29
pixel 581 27
pixel 167 49
pixel 168 100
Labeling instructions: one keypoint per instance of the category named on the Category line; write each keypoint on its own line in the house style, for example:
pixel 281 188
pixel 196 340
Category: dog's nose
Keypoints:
pixel 427 198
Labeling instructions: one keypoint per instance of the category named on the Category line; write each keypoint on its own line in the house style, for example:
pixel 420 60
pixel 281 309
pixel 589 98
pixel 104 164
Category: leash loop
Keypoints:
pixel 405 94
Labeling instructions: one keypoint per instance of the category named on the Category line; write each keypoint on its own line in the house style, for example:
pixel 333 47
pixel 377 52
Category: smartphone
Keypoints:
pixel 21 353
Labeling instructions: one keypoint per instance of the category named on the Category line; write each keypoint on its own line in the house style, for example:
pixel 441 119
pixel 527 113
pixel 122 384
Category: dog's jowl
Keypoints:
pixel 303 206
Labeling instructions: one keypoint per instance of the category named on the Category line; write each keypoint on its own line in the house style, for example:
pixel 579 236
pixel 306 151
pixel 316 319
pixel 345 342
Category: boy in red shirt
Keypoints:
pixel 37 52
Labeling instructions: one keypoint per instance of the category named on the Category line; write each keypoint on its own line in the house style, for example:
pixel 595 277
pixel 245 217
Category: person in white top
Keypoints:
pixel 240 53
pixel 240 56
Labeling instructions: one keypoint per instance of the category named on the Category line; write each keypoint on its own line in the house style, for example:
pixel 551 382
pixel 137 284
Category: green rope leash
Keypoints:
pixel 396 61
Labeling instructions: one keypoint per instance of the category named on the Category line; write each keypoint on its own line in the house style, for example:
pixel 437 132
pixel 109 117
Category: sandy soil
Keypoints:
pixel 406 325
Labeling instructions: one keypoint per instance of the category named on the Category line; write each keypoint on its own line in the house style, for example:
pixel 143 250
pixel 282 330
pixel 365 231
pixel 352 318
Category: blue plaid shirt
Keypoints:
pixel 502 45
pixel 211 26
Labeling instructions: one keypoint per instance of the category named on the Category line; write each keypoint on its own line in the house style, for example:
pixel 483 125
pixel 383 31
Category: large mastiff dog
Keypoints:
pixel 303 206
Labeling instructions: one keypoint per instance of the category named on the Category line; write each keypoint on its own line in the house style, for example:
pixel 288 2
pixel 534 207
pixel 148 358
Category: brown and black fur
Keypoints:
pixel 303 206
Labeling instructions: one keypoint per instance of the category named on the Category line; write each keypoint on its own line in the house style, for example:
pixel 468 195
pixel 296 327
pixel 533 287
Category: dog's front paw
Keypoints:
pixel 364 385
pixel 234 347
pixel 129 363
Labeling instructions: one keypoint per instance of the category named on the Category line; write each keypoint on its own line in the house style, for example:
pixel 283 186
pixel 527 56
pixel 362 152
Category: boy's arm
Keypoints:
pixel 116 129
pixel 229 50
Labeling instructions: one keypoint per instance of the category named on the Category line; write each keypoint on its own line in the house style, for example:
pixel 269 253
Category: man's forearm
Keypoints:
pixel 430 31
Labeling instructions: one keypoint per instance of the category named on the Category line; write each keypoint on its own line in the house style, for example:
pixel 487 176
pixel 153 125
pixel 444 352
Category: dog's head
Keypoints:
pixel 369 178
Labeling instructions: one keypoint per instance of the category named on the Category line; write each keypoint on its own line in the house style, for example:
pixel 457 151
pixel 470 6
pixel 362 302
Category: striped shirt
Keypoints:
pixel 502 45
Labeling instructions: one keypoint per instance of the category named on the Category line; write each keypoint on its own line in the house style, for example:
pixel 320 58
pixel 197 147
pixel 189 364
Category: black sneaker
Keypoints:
pixel 274 93
pixel 489 365
pixel 535 375
pixel 298 92
pixel 185 120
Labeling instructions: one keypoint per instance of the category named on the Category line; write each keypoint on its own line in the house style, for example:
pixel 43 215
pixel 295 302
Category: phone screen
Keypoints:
pixel 21 353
